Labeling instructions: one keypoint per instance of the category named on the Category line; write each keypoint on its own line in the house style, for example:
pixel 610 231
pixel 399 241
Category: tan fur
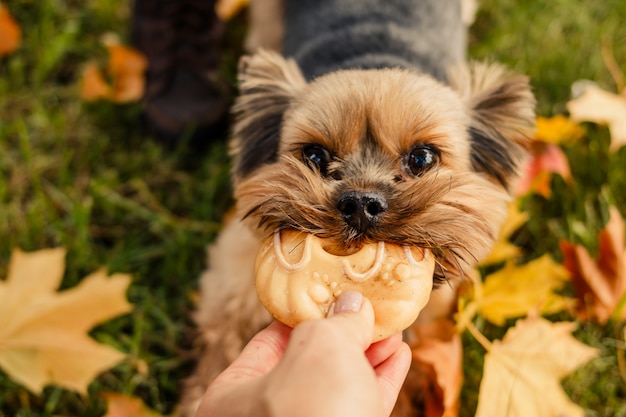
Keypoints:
pixel 368 121
pixel 229 312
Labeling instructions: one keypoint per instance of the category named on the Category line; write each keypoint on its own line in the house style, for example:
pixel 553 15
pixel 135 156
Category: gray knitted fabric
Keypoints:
pixel 328 35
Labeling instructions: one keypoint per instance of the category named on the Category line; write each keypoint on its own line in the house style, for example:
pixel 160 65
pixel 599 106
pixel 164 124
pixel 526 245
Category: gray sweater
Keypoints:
pixel 328 35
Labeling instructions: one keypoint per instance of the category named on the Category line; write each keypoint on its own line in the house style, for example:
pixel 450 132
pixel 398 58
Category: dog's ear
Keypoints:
pixel 502 111
pixel 268 84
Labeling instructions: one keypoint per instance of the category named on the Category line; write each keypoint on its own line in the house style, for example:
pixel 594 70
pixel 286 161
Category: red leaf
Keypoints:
pixel 601 283
pixel 546 159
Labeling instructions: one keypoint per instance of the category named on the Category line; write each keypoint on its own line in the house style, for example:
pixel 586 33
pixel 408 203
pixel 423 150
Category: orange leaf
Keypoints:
pixel 10 32
pixel 523 371
pixel 127 68
pixel 119 405
pixel 601 283
pixel 436 373
pixel 546 159
pixel 93 86
pixel 226 9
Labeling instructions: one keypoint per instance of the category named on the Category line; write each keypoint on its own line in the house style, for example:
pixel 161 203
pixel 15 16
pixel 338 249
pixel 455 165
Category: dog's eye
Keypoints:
pixel 420 159
pixel 317 157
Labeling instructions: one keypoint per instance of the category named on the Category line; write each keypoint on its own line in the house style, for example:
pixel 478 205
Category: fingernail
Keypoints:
pixel 349 301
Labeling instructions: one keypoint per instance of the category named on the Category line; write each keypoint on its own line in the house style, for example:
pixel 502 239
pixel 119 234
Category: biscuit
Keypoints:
pixel 299 276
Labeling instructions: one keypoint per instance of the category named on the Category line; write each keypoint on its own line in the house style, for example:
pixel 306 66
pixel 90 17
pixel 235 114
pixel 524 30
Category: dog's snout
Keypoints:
pixel 360 210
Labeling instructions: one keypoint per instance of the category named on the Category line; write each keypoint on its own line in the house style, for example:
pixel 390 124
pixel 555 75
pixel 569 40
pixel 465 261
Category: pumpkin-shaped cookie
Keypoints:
pixel 299 276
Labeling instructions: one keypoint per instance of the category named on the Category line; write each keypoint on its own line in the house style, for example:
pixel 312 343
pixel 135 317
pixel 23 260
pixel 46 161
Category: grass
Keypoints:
pixel 87 177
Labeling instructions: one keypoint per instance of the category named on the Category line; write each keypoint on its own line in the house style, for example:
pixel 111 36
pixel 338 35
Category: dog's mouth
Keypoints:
pixel 341 249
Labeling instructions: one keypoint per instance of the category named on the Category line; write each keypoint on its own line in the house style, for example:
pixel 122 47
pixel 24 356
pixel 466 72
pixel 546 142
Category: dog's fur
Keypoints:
pixel 376 87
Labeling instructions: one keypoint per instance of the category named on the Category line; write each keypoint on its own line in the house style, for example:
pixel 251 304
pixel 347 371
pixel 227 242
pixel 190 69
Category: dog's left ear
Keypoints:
pixel 268 84
pixel 502 111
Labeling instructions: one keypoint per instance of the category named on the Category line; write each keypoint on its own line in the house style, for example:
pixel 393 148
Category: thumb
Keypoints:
pixel 355 314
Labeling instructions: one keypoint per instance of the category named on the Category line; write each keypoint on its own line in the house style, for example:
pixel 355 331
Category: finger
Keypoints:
pixel 391 374
pixel 261 354
pixel 354 316
pixel 381 350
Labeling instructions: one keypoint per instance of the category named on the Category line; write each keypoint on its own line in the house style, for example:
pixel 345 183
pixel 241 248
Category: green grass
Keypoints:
pixel 87 177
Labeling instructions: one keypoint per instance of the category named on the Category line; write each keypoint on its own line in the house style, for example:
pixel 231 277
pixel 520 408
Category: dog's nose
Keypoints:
pixel 361 209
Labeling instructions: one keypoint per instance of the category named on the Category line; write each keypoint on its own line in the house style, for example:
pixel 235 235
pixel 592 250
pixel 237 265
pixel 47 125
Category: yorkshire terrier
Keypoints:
pixel 373 128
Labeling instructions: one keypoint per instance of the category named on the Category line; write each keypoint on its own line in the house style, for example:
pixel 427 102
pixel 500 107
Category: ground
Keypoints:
pixel 86 176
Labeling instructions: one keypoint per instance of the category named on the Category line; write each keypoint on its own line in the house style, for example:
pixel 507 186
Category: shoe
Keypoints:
pixel 184 90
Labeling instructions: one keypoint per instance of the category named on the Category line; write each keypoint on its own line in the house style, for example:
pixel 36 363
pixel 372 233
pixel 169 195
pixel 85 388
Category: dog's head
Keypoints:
pixel 381 155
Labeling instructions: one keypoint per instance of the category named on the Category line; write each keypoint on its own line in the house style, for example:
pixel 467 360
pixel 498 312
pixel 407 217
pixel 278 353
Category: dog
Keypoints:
pixel 368 126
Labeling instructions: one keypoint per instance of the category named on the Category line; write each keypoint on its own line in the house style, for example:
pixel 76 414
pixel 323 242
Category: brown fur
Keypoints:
pixel 368 120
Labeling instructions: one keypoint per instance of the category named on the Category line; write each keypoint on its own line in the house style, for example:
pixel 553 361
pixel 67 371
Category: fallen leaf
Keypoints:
pixel 522 372
pixel 93 86
pixel 10 32
pixel 43 334
pixel 600 284
pixel 126 68
pixel 515 290
pixel 440 348
pixel 557 130
pixel 226 9
pixel 503 249
pixel 436 375
pixel 119 405
pixel 593 104
pixel 546 159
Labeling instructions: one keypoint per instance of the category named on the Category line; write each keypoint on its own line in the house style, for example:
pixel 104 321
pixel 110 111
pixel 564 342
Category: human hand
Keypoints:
pixel 324 367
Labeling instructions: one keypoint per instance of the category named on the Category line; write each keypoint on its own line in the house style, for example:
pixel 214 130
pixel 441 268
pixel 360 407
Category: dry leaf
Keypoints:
pixel 515 290
pixel 593 104
pixel 119 405
pixel 10 32
pixel 546 159
pixel 522 373
pixel 433 385
pixel 440 348
pixel 503 249
pixel 600 284
pixel 43 334
pixel 126 68
pixel 226 9
pixel 93 86
pixel 558 129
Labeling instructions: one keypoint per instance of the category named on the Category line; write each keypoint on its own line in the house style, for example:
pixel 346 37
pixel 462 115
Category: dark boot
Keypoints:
pixel 184 90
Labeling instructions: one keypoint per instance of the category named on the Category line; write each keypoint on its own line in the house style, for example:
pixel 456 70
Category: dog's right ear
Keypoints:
pixel 268 84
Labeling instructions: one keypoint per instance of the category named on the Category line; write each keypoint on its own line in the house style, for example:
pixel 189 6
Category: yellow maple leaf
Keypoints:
pixel 502 248
pixel 119 405
pixel 522 372
pixel 593 104
pixel 43 333
pixel 515 290
pixel 10 32
pixel 557 129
